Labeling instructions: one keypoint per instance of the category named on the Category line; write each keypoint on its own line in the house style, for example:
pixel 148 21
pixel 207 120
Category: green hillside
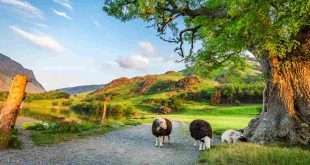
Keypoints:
pixel 150 92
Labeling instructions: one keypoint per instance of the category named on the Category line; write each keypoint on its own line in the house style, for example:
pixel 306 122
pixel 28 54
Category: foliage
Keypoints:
pixel 174 103
pixel 87 108
pixel 200 96
pixel 55 103
pixel 245 93
pixel 259 155
pixel 3 95
pixel 59 127
pixel 67 102
pixel 115 111
pixel 226 28
pixel 15 143
pixel 56 94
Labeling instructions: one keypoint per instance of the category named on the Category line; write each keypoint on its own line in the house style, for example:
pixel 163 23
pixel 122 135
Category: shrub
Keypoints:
pixel 60 127
pixel 15 143
pixel 173 103
pixel 244 93
pixel 39 126
pixel 237 102
pixel 203 95
pixel 115 111
pixel 56 94
pixel 3 95
pixel 151 101
pixel 129 112
pixel 55 103
pixel 87 108
pixel 67 103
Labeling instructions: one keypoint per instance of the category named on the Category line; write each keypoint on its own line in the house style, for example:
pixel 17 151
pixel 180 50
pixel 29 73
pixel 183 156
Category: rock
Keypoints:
pixel 186 83
pixel 165 110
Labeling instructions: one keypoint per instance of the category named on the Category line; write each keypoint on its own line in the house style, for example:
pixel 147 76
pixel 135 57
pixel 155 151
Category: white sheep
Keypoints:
pixel 232 136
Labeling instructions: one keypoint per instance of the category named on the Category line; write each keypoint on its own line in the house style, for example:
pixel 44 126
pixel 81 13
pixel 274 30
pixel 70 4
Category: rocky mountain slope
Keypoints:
pixel 9 68
pixel 81 89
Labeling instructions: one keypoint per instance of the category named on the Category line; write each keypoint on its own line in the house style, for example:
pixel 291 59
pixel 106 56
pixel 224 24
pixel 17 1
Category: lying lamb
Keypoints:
pixel 232 136
pixel 161 128
pixel 201 131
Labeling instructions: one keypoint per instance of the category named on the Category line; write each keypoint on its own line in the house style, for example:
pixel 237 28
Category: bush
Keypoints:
pixel 3 95
pixel 237 102
pixel 203 95
pixel 55 103
pixel 173 103
pixel 59 127
pixel 15 143
pixel 56 94
pixel 87 108
pixel 244 93
pixel 115 111
pixel 67 103
pixel 129 112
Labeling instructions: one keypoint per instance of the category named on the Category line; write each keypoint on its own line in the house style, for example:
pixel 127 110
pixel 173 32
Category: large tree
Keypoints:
pixel 277 32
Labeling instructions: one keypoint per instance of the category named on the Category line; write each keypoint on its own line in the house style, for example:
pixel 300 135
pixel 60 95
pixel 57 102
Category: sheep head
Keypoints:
pixel 161 123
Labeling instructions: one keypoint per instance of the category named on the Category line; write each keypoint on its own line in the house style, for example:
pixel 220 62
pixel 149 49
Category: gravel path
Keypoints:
pixel 129 146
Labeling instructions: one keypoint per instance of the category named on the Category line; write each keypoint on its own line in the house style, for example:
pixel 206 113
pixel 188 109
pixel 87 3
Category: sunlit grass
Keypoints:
pixel 254 154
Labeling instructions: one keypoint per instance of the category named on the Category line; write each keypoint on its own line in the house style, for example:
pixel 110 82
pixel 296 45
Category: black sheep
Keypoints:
pixel 201 130
pixel 161 128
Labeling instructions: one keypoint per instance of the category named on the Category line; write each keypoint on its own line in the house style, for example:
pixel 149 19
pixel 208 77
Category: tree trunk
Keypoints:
pixel 11 109
pixel 285 116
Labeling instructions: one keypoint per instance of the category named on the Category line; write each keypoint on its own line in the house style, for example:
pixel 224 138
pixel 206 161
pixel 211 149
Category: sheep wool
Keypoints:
pixel 232 136
pixel 201 131
pixel 161 127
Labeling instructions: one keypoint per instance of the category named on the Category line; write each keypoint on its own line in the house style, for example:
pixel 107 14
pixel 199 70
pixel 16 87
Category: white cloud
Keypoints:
pixel 65 3
pixel 147 49
pixel 40 40
pixel 97 23
pixel 133 62
pixel 62 14
pixel 25 6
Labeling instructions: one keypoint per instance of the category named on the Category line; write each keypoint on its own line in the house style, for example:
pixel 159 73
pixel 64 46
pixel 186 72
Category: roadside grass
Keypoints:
pixel 43 138
pixel 254 154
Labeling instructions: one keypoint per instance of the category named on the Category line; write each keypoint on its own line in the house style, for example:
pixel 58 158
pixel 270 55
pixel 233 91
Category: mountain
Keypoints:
pixel 81 89
pixel 173 82
pixel 9 68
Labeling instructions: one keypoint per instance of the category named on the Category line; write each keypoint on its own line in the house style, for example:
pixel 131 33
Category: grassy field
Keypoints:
pixel 254 154
pixel 220 117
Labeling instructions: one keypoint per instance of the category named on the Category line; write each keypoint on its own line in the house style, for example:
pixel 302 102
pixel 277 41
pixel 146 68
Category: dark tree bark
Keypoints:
pixel 286 105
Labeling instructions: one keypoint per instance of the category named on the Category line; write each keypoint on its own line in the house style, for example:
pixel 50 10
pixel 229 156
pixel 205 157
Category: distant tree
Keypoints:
pixel 276 32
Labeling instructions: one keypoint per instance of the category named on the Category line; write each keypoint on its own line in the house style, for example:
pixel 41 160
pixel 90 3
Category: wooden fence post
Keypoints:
pixel 11 109
pixel 104 111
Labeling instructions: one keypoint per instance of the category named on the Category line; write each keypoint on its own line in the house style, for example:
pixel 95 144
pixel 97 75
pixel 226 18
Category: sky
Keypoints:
pixel 73 42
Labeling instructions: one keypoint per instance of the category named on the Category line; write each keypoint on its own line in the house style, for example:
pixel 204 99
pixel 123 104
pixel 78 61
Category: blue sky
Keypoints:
pixel 73 42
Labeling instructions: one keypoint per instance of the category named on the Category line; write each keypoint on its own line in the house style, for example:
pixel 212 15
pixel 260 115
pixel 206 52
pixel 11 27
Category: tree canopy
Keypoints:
pixel 226 29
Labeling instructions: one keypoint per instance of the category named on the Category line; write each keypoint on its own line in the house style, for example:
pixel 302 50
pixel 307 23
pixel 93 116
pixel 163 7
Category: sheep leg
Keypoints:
pixel 204 145
pixel 161 138
pixel 195 143
pixel 169 140
pixel 200 145
pixel 234 140
pixel 156 141
pixel 208 143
